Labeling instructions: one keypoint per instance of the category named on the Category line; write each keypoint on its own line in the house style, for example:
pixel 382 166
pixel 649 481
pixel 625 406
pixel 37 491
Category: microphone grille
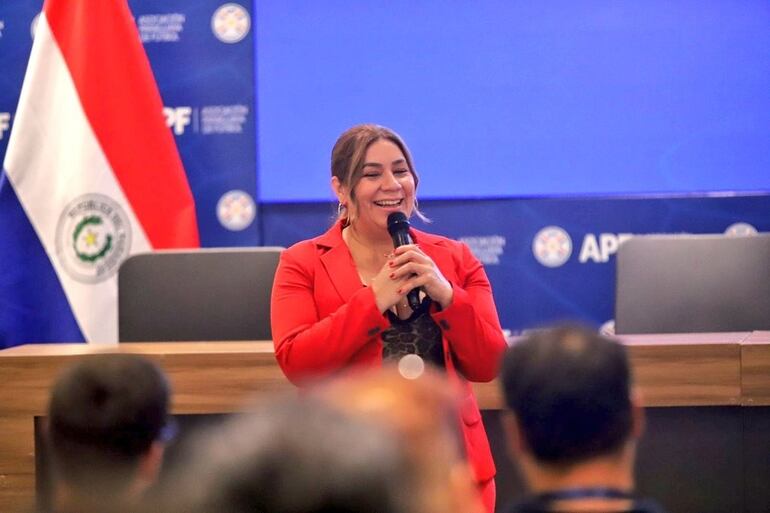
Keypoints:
pixel 397 221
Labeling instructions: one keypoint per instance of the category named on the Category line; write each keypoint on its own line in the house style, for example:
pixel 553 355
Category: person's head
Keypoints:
pixel 373 175
pixel 424 413
pixel 292 455
pixel 106 417
pixel 569 390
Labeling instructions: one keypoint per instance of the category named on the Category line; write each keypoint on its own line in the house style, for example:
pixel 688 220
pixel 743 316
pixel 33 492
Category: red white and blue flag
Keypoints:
pixel 91 176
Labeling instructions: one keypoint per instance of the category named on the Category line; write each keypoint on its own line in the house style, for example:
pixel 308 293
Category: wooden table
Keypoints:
pixel 755 369
pixel 216 377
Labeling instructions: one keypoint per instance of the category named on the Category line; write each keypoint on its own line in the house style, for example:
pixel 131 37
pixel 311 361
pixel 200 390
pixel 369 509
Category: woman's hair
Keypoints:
pixel 349 153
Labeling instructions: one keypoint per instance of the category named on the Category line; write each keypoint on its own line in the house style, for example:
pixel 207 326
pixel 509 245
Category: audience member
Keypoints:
pixel 424 412
pixel 573 422
pixel 107 420
pixel 292 456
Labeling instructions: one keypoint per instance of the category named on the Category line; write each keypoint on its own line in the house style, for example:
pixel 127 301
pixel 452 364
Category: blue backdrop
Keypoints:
pixel 521 98
pixel 544 133
pixel 534 283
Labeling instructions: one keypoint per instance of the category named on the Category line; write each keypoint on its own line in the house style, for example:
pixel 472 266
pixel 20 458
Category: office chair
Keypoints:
pixel 196 295
pixel 693 283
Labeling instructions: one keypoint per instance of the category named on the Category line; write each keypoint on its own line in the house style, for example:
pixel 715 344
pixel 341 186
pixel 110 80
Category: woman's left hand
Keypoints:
pixel 423 272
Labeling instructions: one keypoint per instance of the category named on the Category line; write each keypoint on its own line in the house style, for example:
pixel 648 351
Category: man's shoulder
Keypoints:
pixel 645 505
pixel 525 505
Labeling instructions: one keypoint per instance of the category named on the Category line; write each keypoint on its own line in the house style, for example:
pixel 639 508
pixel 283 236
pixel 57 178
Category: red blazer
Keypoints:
pixel 325 320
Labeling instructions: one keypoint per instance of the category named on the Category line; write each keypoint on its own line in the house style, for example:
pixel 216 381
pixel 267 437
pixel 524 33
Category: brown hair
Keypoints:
pixel 424 414
pixel 349 153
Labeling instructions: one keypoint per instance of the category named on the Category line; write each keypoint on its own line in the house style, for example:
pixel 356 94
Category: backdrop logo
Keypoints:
pixel 93 237
pixel 178 118
pixel 161 28
pixel 600 249
pixel 5 123
pixel 2 27
pixel 487 248
pixel 224 119
pixel 236 210
pixel 230 23
pixel 552 246
pixel 734 230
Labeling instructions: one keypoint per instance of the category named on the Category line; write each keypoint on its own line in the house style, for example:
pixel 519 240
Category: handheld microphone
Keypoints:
pixel 398 227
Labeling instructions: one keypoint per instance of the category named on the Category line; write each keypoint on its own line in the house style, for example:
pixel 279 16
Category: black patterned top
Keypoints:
pixel 419 334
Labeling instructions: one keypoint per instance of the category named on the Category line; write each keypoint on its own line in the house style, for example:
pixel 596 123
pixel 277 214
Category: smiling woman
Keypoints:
pixel 373 161
pixel 339 300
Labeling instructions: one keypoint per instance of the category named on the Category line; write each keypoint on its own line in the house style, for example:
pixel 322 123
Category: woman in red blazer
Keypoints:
pixel 339 300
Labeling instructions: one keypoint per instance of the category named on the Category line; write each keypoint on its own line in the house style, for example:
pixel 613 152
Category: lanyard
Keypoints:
pixel 584 493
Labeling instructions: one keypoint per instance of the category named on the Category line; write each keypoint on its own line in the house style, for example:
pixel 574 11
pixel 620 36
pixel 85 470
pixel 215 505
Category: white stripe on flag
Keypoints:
pixel 53 158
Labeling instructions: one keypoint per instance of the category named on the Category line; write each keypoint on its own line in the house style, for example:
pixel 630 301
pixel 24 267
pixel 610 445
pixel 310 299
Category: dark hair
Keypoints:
pixel 104 413
pixel 292 456
pixel 569 389
pixel 349 153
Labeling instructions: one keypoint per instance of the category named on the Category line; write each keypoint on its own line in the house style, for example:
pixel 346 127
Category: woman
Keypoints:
pixel 339 300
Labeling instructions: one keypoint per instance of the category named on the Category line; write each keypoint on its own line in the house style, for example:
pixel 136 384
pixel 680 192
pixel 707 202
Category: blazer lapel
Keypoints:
pixel 439 252
pixel 341 270
pixel 338 263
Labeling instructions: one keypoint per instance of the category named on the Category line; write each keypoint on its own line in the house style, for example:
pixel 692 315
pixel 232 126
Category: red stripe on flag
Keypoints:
pixel 112 75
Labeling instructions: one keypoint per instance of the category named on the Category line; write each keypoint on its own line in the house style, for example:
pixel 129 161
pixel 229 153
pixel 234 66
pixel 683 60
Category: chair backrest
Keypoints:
pixel 693 283
pixel 197 295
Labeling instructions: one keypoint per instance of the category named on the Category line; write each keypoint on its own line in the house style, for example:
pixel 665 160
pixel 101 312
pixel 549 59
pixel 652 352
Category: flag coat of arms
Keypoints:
pixel 91 176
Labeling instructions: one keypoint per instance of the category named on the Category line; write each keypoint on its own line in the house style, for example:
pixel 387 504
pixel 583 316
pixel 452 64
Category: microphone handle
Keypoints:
pixel 413 297
pixel 402 238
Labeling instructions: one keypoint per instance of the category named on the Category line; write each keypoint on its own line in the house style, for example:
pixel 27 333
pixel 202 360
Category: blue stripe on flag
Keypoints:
pixel 33 307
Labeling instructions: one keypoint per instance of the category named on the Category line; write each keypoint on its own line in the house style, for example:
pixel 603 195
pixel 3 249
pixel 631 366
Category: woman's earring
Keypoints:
pixel 340 208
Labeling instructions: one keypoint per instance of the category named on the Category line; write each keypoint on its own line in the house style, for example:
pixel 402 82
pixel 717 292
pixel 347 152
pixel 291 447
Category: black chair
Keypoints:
pixel 196 295
pixel 693 283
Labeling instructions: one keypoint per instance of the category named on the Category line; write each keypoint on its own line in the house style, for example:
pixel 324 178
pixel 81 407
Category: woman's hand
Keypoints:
pixel 388 290
pixel 411 268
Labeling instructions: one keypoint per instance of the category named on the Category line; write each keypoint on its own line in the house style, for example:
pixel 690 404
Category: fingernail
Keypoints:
pixel 392 275
pixel 391 263
pixel 399 291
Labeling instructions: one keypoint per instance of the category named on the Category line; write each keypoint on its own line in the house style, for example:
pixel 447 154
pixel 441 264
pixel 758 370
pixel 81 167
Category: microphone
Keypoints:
pixel 398 227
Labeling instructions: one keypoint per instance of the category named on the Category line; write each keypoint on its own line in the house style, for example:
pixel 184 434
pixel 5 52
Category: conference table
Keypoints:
pixel 677 372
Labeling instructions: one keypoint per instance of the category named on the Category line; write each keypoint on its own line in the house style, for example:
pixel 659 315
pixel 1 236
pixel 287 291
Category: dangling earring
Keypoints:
pixel 342 209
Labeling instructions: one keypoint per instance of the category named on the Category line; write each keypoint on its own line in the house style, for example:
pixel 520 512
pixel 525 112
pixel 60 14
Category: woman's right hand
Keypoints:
pixel 387 290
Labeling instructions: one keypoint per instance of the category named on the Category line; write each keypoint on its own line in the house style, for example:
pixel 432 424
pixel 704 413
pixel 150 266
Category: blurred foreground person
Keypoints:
pixel 107 422
pixel 424 413
pixel 574 422
pixel 291 456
